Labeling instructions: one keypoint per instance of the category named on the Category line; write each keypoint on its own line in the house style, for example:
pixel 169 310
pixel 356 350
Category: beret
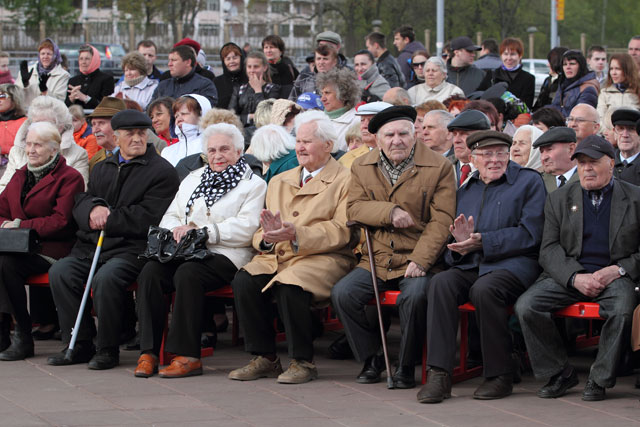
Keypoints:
pixel 595 147
pixel 555 134
pixel 130 119
pixel 189 42
pixel 329 36
pixel 391 114
pixel 625 117
pixel 372 108
pixel 470 120
pixel 484 138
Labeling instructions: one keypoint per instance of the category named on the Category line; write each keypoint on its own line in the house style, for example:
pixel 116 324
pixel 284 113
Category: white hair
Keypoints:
pixel 271 142
pixel 46 132
pixel 439 62
pixel 324 127
pixel 50 109
pixel 223 129
pixel 443 116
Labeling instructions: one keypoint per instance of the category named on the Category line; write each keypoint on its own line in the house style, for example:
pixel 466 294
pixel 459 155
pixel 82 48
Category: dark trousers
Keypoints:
pixel 190 280
pixel 350 297
pixel 544 343
pixel 14 270
pixel 491 294
pixel 109 287
pixel 255 315
pixel 43 309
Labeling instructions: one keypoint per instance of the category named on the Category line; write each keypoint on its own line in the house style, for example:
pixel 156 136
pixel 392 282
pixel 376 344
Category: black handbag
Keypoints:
pixel 162 247
pixel 19 240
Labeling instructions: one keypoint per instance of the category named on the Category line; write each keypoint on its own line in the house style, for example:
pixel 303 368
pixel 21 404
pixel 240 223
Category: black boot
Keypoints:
pixel 21 346
pixel 5 326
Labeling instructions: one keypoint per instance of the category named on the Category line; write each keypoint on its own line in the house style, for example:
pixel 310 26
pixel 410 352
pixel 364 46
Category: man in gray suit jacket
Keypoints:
pixel 556 148
pixel 590 252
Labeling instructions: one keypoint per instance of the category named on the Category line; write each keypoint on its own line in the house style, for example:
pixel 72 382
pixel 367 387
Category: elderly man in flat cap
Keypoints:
pixel 589 252
pixel 101 126
pixel 406 193
pixel 556 148
pixel 627 164
pixel 127 193
pixel 491 260
pixel 465 124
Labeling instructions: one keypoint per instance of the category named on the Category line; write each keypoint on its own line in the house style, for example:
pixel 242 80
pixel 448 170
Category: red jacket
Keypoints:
pixel 46 208
pixel 85 139
pixel 8 130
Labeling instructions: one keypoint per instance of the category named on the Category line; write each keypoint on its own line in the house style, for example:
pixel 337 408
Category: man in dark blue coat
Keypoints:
pixel 492 261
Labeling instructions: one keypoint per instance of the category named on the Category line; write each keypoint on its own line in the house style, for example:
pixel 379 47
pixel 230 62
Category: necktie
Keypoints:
pixel 464 172
pixel 625 163
pixel 563 180
pixel 305 180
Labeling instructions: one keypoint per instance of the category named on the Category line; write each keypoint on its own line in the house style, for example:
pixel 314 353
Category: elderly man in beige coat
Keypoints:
pixel 304 245
pixel 407 193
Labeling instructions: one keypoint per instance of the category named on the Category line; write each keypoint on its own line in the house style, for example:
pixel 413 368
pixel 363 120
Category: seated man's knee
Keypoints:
pixel 414 291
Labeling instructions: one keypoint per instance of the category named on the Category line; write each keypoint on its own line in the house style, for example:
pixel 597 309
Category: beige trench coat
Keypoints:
pixel 319 212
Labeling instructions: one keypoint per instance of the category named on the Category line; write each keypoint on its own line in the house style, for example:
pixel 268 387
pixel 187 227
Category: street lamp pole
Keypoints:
pixel 440 26
pixel 554 25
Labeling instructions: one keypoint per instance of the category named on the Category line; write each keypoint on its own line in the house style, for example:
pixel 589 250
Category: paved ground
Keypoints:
pixel 35 394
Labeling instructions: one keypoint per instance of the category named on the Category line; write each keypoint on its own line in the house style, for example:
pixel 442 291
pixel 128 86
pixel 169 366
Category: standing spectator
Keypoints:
pixel 577 84
pixel 12 115
pixel 489 56
pixel 200 56
pixel 418 64
pixel 136 85
pixel 89 87
pixel 621 89
pixel 461 71
pixel 597 61
pixel 435 86
pixel 387 64
pixel 550 84
pixel 187 111
pixel 334 40
pixel 372 84
pixel 520 83
pixel 82 132
pixel 326 58
pixel 404 39
pixel 161 113
pixel 45 77
pixel 148 49
pixel 283 71
pixel 5 72
pixel 634 49
pixel 233 73
pixel 246 97
pixel 184 79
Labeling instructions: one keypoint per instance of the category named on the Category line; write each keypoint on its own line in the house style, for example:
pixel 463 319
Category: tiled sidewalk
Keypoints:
pixel 35 394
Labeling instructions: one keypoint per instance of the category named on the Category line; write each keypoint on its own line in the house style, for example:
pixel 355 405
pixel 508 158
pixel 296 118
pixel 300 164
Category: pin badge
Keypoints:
pixel 574 208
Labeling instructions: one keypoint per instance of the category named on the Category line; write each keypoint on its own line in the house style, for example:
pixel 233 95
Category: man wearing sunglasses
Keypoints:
pixel 492 259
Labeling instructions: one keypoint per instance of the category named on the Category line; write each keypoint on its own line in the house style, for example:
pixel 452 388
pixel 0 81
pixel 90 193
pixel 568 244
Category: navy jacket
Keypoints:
pixel 191 83
pixel 582 91
pixel 509 213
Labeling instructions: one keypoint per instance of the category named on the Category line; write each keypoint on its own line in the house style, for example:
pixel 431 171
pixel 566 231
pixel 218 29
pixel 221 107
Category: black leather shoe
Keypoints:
pixel 495 388
pixel 593 392
pixel 105 358
pixel 340 349
pixel 21 346
pixel 39 335
pixel 81 353
pixel 5 327
pixel 208 341
pixel 558 385
pixel 371 370
pixel 405 377
pixel 437 388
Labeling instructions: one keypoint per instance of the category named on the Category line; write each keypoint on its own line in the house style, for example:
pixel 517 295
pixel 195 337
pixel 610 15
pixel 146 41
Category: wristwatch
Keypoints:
pixel 621 271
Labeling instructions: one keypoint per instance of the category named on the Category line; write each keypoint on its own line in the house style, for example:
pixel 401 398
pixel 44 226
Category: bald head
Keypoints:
pixel 585 120
pixel 397 96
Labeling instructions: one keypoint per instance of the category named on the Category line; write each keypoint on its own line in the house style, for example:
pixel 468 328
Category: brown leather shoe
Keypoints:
pixel 147 366
pixel 181 367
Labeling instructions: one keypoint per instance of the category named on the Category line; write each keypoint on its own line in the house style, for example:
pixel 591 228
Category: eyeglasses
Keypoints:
pixel 4 95
pixel 578 120
pixel 488 155
pixel 418 64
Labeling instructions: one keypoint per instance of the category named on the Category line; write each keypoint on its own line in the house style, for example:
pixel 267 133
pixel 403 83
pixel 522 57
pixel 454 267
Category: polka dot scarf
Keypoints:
pixel 214 185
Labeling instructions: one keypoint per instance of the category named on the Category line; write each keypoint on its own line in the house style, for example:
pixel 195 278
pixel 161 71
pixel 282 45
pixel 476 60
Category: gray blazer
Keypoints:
pixel 563 226
pixel 551 184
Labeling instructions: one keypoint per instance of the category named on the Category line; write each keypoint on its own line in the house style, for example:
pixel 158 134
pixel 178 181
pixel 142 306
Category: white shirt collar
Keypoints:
pixel 313 174
pixel 628 159
pixel 567 175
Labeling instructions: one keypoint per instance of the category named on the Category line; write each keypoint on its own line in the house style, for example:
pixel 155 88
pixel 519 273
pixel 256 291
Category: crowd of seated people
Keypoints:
pixel 473 193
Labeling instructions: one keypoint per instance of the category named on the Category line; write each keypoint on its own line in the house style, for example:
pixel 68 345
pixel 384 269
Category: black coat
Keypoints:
pixel 244 100
pixel 199 70
pixel 521 83
pixel 629 173
pixel 137 194
pixel 389 69
pixel 97 85
pixel 284 73
pixel 227 81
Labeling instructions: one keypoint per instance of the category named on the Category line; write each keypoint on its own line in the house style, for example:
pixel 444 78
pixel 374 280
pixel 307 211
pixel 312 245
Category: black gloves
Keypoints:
pixel 24 73
pixel 43 82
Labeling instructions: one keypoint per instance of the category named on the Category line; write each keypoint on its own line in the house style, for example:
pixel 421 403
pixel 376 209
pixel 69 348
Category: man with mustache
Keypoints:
pixel 101 124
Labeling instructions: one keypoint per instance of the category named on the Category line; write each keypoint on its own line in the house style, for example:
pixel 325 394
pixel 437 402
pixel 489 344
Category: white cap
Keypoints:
pixel 372 108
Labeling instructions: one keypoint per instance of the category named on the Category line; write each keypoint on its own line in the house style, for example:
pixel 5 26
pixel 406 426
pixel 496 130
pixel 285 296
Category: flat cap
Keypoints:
pixel 470 120
pixel 556 134
pixel 130 119
pixel 372 108
pixel 391 114
pixel 625 117
pixel 595 147
pixel 465 43
pixel 108 107
pixel 329 36
pixel 485 138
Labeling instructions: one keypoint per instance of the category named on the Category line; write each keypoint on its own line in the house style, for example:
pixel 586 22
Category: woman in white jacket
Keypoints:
pixel 621 89
pixel 187 110
pixel 45 77
pixel 227 198
pixel 47 109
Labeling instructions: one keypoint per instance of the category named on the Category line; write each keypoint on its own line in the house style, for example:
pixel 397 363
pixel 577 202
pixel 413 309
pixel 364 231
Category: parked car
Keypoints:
pixel 539 68
pixel 110 56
